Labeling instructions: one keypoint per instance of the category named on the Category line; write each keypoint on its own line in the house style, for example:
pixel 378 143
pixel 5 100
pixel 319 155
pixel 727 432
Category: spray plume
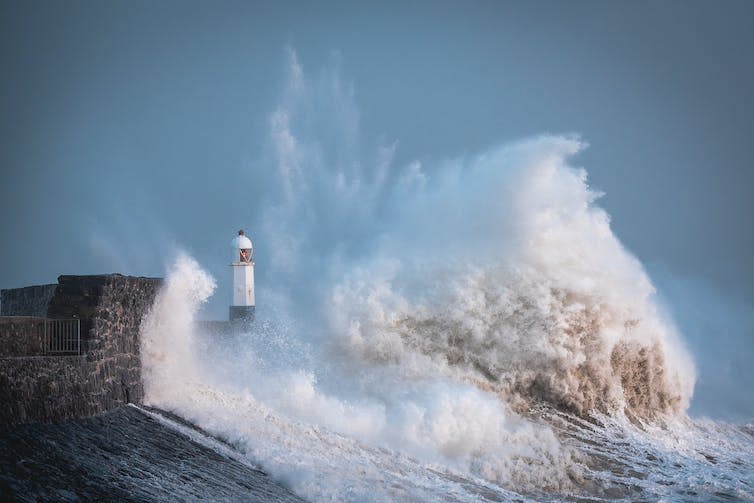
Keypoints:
pixel 435 303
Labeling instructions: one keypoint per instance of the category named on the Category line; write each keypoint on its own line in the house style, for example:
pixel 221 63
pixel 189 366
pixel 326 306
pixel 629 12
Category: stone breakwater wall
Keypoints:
pixel 105 375
pixel 27 301
pixel 21 336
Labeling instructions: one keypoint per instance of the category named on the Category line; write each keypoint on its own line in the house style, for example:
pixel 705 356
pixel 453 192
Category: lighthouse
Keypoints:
pixel 242 308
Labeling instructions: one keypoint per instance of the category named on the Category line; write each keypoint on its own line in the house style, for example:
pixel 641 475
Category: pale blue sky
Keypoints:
pixel 127 128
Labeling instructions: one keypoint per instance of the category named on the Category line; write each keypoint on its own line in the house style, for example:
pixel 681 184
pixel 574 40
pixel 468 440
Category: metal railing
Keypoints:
pixel 62 337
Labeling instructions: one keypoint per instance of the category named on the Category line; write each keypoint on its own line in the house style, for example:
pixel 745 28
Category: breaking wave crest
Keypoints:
pixel 545 306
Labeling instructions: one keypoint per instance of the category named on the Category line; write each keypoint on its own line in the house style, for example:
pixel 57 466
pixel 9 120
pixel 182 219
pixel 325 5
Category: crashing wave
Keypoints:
pixel 564 315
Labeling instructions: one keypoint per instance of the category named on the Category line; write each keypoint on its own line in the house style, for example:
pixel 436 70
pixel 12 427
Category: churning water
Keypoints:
pixel 468 331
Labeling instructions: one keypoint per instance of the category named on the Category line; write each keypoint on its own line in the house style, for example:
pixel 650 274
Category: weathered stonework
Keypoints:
pixel 108 371
pixel 21 336
pixel 27 301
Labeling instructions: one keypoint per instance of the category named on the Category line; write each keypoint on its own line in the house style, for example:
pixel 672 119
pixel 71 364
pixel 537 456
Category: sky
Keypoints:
pixel 131 129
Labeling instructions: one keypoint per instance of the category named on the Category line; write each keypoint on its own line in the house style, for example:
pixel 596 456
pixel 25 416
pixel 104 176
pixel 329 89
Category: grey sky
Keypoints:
pixel 129 128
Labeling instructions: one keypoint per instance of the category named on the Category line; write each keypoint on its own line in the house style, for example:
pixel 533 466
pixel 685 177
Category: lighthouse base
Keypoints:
pixel 241 314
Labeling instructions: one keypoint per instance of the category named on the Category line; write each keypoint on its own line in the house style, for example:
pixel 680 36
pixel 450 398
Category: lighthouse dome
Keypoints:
pixel 241 243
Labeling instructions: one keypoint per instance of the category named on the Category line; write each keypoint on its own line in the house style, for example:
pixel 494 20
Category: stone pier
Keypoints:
pixel 38 387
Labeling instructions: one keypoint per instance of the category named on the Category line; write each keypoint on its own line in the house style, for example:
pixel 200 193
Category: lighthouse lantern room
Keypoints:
pixel 242 308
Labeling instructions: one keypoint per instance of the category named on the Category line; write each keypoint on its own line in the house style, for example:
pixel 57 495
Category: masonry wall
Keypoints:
pixel 108 372
pixel 27 301
pixel 21 336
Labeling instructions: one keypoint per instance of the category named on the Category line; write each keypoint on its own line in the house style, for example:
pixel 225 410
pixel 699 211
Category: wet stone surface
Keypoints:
pixel 123 455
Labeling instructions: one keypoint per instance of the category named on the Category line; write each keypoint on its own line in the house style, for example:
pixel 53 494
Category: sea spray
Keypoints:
pixel 500 264
pixel 434 419
pixel 426 324
pixel 541 302
pixel 168 342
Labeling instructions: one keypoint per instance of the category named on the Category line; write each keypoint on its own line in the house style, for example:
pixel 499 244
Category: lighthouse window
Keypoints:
pixel 245 255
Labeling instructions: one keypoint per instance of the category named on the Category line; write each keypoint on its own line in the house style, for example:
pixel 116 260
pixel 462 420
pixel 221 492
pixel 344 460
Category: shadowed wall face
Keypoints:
pixel 27 301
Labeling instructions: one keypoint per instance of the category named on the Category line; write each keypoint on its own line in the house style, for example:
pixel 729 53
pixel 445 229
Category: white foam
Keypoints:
pixel 417 313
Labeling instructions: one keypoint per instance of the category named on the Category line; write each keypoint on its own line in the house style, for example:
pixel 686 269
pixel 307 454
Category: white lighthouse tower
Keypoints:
pixel 242 308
